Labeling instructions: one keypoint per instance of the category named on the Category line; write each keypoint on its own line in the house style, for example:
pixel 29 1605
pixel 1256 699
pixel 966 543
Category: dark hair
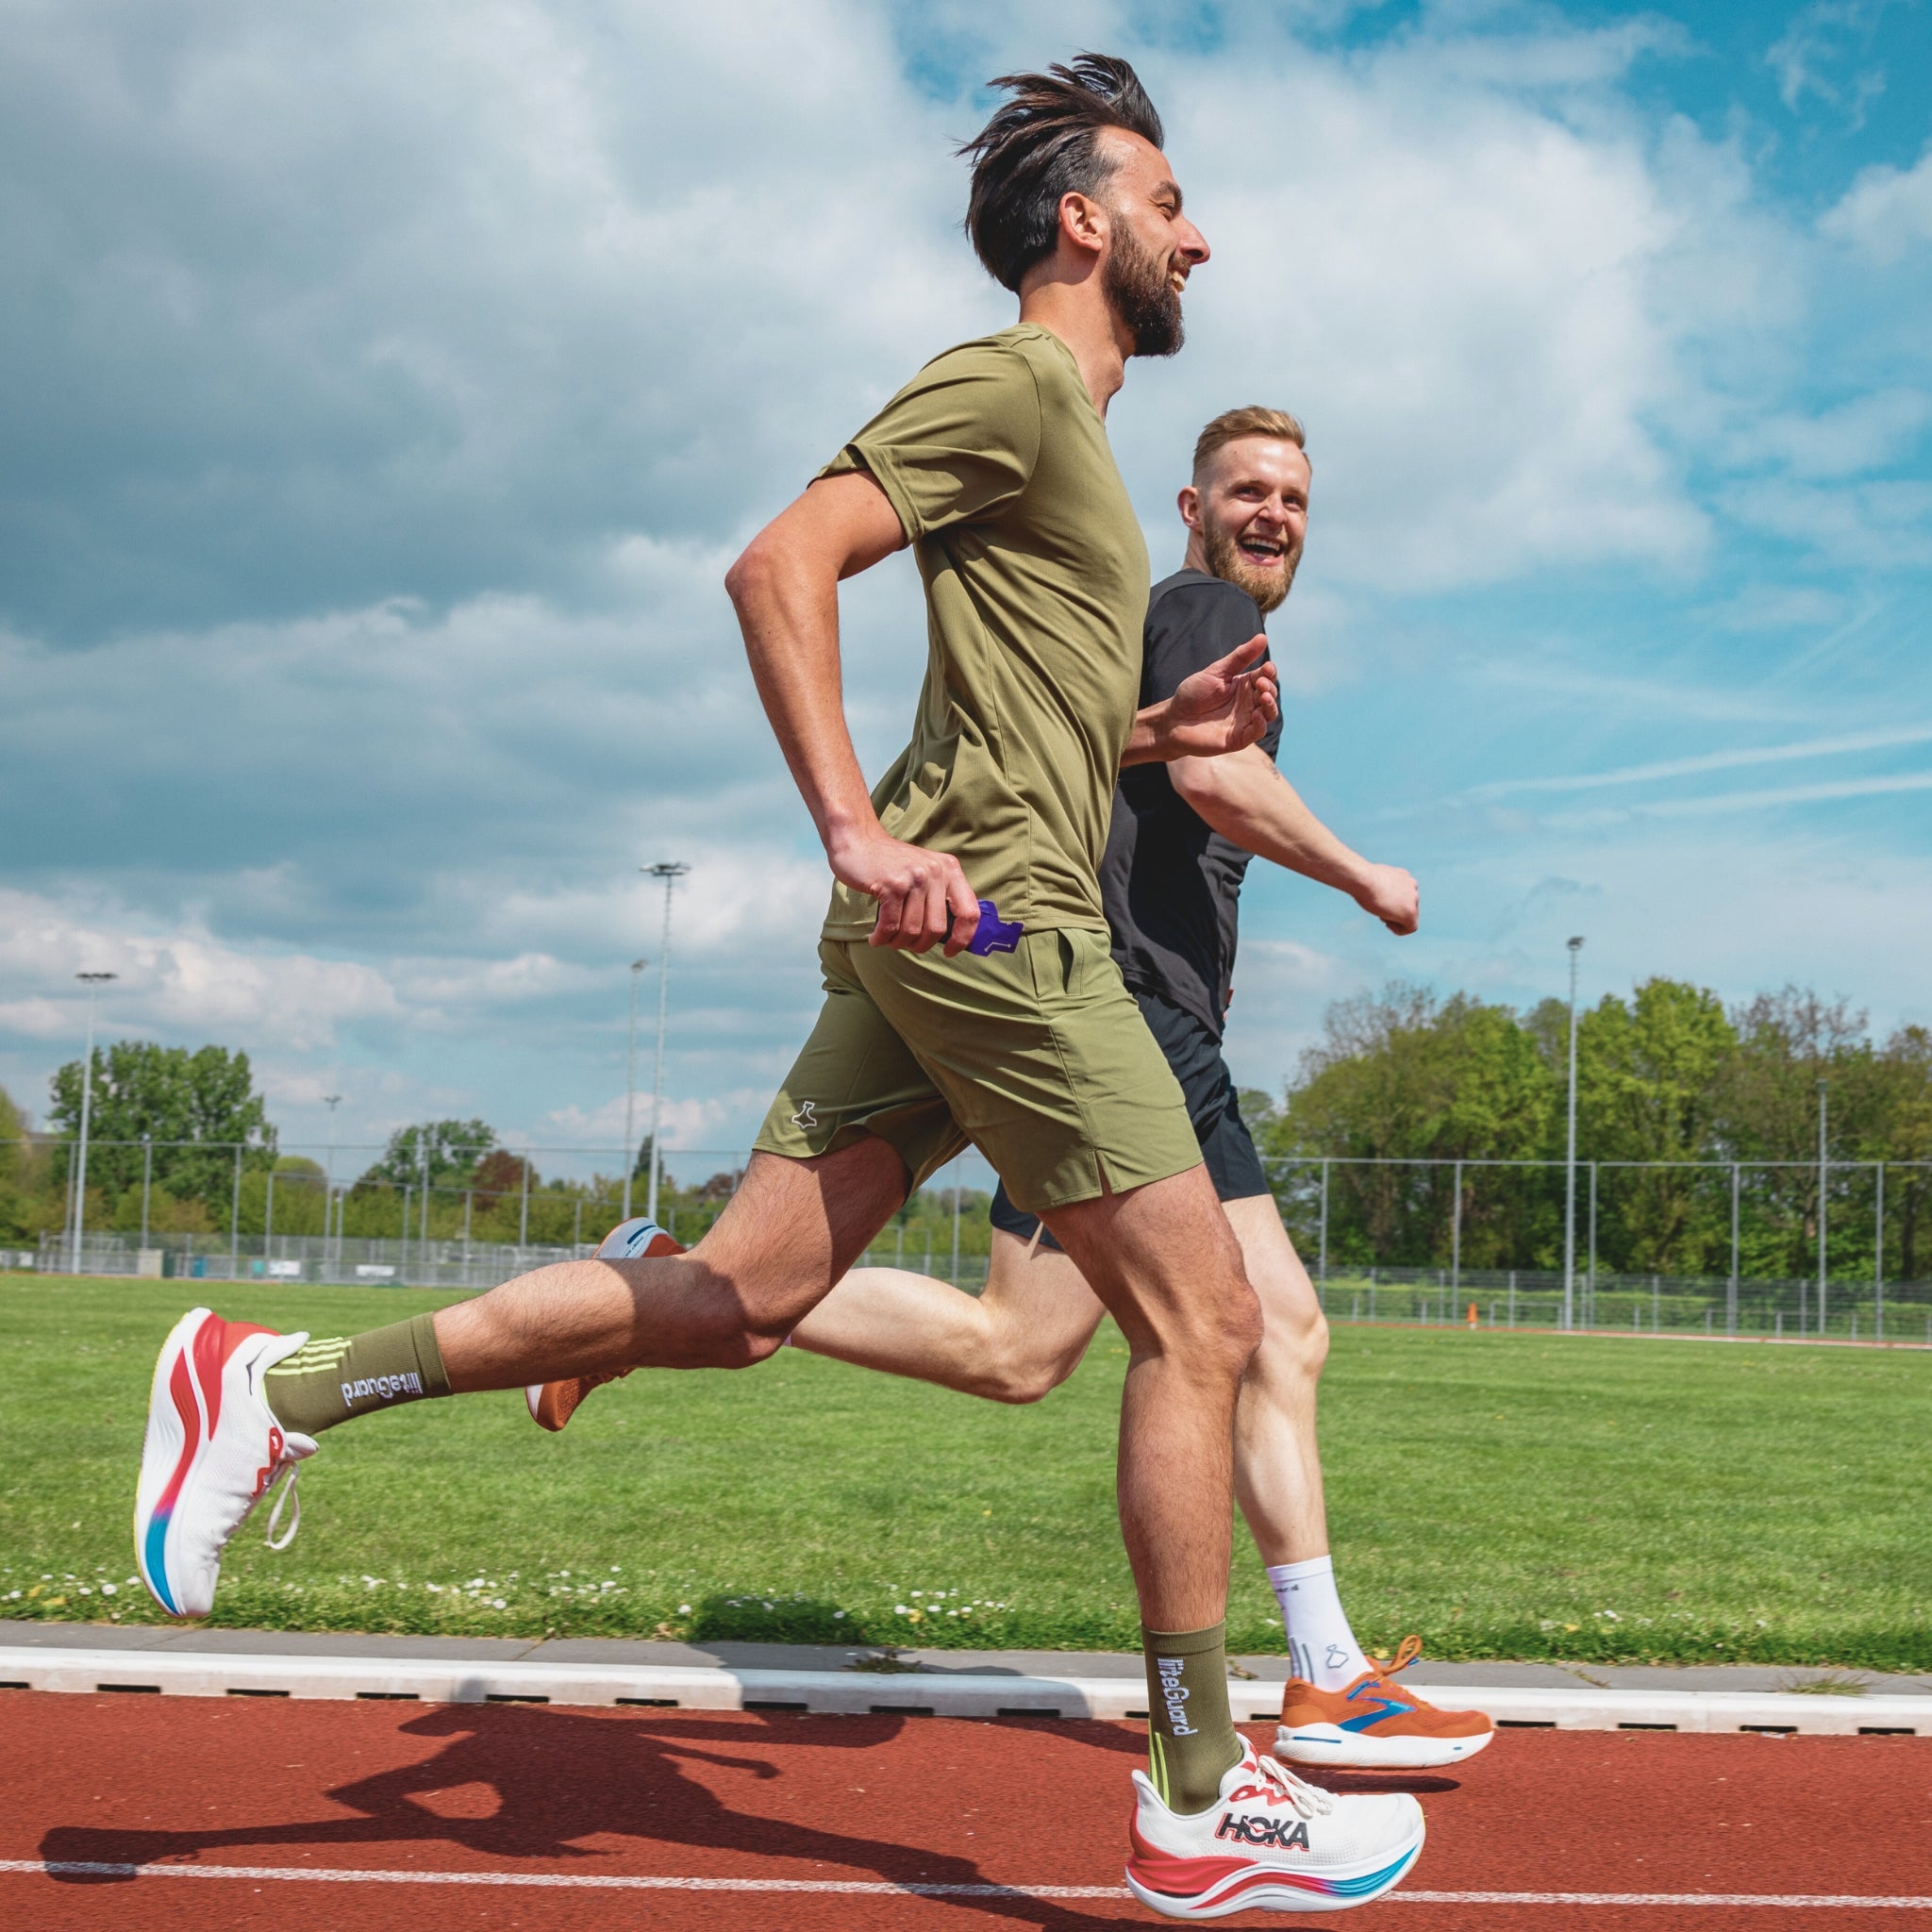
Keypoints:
pixel 1042 143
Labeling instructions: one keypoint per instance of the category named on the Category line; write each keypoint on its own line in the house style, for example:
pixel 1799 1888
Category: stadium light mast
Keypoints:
pixel 670 870
pixel 93 982
pixel 630 1089
pixel 331 1101
pixel 1570 1161
pixel 1824 1090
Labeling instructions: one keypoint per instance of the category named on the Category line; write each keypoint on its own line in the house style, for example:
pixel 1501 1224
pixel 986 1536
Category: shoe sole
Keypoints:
pixel 171 1453
pixel 1269 1888
pixel 1342 1750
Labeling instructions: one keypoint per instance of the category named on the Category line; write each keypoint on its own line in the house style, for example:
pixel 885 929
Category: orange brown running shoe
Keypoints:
pixel 553 1404
pixel 1373 1724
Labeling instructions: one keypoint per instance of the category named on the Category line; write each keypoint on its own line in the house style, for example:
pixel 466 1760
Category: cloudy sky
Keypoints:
pixel 387 387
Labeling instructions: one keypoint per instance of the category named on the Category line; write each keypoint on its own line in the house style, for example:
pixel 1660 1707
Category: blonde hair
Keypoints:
pixel 1253 420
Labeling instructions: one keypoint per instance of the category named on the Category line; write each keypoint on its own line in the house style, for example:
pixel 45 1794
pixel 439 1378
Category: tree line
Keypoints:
pixel 166 1125
pixel 1670 1075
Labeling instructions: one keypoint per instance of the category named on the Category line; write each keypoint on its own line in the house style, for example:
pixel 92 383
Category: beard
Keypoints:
pixel 1268 587
pixel 1137 286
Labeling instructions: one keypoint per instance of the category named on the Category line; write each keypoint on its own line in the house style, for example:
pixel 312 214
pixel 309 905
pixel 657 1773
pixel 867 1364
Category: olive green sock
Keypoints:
pixel 325 1382
pixel 1190 1735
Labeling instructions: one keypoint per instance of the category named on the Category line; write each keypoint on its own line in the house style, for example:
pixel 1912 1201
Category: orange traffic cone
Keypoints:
pixel 1471 1315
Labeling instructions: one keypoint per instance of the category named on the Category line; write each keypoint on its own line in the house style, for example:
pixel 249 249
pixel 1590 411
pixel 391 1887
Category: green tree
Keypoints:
pixel 1905 1073
pixel 194 1106
pixel 1787 1041
pixel 451 1149
pixel 1649 1084
pixel 14 1147
pixel 1404 1076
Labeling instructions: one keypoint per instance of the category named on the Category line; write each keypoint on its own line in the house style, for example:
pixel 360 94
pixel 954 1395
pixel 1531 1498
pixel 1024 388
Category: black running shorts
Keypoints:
pixel 1226 1146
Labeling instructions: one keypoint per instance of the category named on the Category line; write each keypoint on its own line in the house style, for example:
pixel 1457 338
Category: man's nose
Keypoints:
pixel 1191 243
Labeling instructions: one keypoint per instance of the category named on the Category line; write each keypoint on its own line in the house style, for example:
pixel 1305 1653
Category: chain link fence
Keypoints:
pixel 1385 1239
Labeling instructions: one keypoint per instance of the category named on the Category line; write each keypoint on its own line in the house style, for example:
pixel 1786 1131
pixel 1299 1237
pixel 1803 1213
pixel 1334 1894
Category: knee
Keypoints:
pixel 1019 1378
pixel 1294 1344
pixel 1219 1331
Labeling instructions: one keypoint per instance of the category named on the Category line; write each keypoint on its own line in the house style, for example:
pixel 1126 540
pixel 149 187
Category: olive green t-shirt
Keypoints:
pixel 1036 585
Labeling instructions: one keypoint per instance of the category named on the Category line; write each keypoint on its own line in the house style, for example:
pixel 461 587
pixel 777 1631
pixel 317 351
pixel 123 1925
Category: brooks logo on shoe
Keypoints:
pixel 1385 1706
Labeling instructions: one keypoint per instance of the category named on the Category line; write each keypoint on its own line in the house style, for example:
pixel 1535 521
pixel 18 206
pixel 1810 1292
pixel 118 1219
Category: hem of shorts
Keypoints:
pixel 1074 1197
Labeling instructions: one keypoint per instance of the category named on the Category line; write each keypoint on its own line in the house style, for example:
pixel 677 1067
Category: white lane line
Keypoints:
pixel 583 1881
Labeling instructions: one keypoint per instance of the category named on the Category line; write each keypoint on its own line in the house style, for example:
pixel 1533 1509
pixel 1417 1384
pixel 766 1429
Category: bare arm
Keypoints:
pixel 784 589
pixel 1246 800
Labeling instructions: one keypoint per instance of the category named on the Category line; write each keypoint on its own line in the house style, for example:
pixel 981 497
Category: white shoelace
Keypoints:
pixel 293 1469
pixel 1309 1801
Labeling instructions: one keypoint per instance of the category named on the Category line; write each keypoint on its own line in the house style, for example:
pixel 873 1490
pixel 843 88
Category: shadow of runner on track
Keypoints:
pixel 561 1777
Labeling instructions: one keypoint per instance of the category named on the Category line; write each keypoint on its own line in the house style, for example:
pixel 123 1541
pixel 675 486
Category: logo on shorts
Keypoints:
pixel 805 1117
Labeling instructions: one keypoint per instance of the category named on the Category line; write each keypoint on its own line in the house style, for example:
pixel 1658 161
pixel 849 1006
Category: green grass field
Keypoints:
pixel 1506 1496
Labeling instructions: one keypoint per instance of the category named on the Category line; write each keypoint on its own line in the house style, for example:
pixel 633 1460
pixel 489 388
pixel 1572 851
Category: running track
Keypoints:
pixel 822 1824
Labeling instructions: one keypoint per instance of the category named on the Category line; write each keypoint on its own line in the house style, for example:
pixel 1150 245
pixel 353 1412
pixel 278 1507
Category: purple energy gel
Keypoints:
pixel 995 935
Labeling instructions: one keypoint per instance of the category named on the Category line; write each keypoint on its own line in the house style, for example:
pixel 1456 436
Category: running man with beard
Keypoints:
pixel 994 466
pixel 1182 838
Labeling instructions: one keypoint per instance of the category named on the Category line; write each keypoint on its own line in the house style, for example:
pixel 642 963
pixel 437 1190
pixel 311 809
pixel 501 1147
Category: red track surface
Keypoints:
pixel 881 1801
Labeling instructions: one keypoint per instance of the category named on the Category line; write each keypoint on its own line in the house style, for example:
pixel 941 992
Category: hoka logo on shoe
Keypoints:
pixel 1174 1695
pixel 1284 1835
pixel 381 1388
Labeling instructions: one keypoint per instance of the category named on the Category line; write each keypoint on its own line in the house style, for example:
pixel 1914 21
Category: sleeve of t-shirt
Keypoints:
pixel 1195 626
pixel 956 444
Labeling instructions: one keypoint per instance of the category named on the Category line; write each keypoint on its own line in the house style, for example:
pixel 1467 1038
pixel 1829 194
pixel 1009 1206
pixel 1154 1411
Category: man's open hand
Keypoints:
pixel 1225 708
pixel 924 897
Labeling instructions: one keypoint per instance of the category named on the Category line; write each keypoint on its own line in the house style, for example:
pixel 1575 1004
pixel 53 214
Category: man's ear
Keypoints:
pixel 1084 221
pixel 1189 503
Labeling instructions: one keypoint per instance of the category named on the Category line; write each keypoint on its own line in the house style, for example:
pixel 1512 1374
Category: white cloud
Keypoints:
pixel 1474 304
pixel 1886 214
pixel 415 370
pixel 184 982
pixel 1869 432
pixel 1713 762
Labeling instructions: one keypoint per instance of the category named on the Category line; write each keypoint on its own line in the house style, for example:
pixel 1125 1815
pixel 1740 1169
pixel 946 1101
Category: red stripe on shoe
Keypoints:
pixel 1181 1877
pixel 181 1388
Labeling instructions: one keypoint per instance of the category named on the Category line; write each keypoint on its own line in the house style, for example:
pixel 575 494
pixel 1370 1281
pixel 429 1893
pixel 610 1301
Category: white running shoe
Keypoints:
pixel 553 1404
pixel 1271 1842
pixel 213 1449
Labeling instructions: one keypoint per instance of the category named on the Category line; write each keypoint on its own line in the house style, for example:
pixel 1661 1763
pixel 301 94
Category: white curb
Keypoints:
pixel 215 1674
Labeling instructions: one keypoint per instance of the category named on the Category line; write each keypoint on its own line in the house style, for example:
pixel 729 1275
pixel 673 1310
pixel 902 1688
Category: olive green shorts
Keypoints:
pixel 1038 1057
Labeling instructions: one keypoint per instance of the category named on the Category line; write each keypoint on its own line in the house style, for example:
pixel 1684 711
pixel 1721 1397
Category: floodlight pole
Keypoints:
pixel 93 982
pixel 670 870
pixel 331 1101
pixel 1823 1088
pixel 630 1090
pixel 1570 1161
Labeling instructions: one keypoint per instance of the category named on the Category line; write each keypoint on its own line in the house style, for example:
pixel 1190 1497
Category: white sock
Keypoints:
pixel 1321 1646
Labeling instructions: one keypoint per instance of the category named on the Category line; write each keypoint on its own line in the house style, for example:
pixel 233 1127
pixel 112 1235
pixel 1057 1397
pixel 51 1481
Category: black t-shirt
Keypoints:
pixel 1171 885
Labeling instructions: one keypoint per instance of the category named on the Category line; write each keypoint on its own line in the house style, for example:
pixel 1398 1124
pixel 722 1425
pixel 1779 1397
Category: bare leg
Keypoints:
pixel 1277 1461
pixel 1026 1334
pixel 789 1232
pixel 1022 1336
pixel 1164 1261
